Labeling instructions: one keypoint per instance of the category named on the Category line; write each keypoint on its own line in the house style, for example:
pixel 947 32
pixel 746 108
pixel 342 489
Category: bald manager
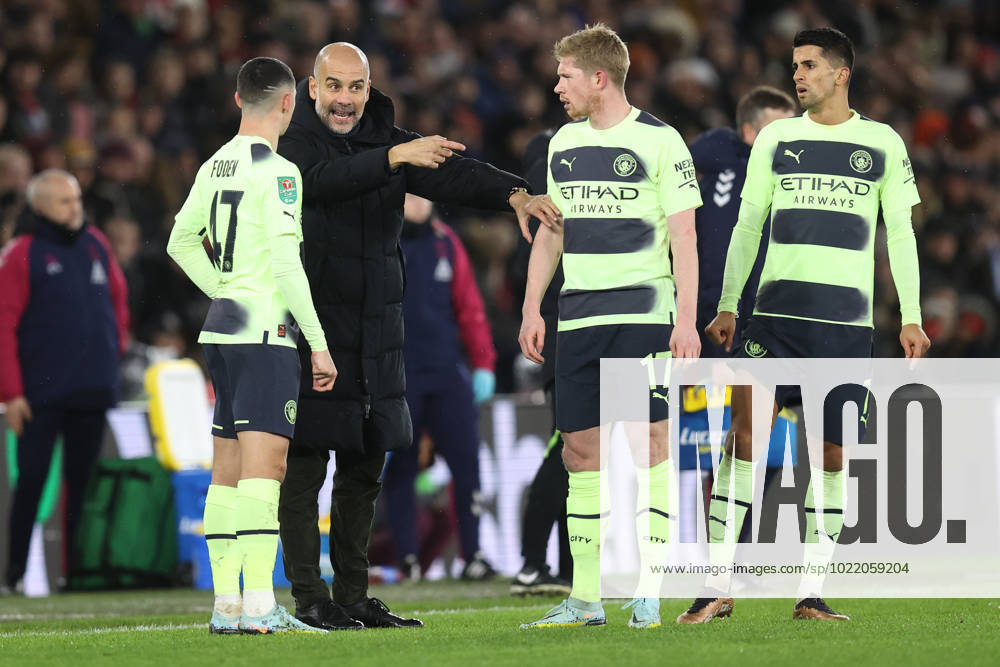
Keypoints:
pixel 356 168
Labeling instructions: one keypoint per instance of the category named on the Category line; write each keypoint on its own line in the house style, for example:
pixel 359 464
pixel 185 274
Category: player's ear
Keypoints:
pixel 600 79
pixel 312 87
pixel 239 103
pixel 843 75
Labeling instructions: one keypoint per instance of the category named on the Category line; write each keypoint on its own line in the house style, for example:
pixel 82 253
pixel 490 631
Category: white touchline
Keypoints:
pixel 196 626
pixel 103 631
pixel 56 616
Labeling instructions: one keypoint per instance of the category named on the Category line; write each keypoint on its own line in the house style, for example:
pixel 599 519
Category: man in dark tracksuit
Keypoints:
pixel 63 325
pixel 356 168
pixel 720 156
pixel 443 313
pixel 546 504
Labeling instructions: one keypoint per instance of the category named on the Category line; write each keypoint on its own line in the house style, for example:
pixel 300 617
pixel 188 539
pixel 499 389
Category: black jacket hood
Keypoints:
pixel 375 126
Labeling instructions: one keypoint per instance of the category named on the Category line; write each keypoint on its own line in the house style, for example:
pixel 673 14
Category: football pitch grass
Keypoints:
pixel 471 624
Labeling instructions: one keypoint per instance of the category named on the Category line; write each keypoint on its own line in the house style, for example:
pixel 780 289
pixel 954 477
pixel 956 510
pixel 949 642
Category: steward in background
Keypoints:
pixel 63 326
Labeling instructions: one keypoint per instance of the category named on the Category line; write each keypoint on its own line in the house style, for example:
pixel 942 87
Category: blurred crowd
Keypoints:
pixel 131 96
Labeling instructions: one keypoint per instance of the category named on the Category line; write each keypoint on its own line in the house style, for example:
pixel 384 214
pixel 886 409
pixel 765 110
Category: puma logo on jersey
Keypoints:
pixel 568 163
pixel 290 215
pixel 795 155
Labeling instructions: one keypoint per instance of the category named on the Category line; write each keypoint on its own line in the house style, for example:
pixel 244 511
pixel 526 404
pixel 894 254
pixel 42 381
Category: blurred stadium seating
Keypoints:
pixel 131 95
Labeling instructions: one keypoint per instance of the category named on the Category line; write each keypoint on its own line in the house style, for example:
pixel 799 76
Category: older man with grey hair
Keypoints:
pixel 63 324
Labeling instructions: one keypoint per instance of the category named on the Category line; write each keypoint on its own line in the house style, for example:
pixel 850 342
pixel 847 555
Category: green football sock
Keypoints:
pixel 733 487
pixel 220 535
pixel 583 519
pixel 652 527
pixel 257 537
pixel 824 521
pixel 832 509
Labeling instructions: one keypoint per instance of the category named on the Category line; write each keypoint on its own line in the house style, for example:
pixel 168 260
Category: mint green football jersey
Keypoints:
pixel 615 188
pixel 824 185
pixel 244 198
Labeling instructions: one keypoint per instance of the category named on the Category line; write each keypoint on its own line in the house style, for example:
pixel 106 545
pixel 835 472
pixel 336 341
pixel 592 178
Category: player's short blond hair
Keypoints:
pixel 596 47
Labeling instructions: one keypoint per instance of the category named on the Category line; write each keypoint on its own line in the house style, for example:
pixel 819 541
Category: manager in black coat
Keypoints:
pixel 356 167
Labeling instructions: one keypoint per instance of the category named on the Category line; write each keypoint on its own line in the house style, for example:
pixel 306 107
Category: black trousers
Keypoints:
pixel 547 505
pixel 356 486
pixel 82 431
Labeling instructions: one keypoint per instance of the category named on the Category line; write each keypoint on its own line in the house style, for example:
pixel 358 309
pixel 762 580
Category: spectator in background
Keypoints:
pixel 122 188
pixel 125 239
pixel 81 161
pixel 36 115
pixel 15 169
pixel 15 172
pixel 63 324
pixel 934 74
pixel 441 307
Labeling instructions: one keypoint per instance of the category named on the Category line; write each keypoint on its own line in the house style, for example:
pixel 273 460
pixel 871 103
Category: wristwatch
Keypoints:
pixel 514 190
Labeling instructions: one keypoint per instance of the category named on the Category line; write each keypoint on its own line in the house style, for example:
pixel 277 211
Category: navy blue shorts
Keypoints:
pixel 256 388
pixel 578 369
pixel 785 337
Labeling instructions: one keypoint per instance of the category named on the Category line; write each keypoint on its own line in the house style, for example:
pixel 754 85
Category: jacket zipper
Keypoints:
pixel 367 399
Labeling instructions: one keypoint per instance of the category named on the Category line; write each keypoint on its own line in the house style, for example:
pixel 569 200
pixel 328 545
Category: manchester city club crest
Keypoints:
pixel 861 161
pixel 754 349
pixel 290 410
pixel 625 165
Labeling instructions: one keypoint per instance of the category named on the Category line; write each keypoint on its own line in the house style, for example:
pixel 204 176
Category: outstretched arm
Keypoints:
pixel 341 177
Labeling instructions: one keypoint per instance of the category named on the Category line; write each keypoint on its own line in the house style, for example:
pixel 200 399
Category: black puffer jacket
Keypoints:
pixel 352 217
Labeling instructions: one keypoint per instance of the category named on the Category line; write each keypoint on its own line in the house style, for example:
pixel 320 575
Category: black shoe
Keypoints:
pixel 374 614
pixel 327 616
pixel 532 581
pixel 478 569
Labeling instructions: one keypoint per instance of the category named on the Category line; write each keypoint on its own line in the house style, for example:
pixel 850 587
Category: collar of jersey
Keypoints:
pixel 630 116
pixel 254 139
pixel 854 117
